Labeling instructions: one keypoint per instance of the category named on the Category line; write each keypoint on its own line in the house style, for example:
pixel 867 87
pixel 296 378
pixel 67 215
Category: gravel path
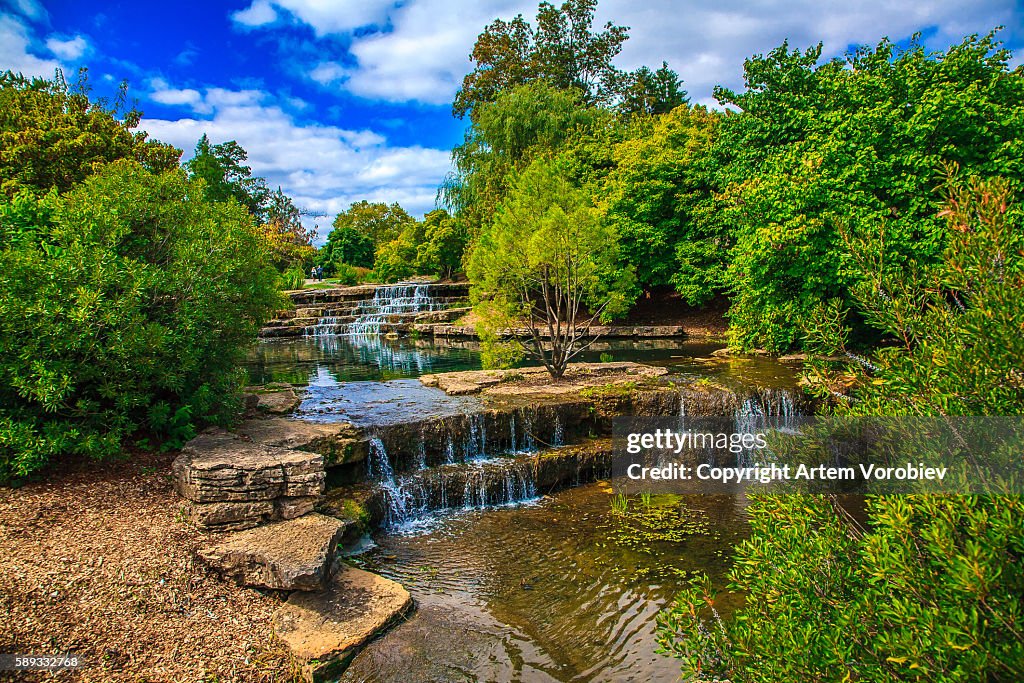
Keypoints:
pixel 99 562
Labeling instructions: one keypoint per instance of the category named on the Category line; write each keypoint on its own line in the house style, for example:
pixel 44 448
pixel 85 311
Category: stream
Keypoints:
pixel 543 589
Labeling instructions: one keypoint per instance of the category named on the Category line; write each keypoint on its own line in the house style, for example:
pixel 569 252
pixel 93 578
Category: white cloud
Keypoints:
pixel 68 50
pixel 421 51
pixel 259 13
pixel 325 16
pixel 323 168
pixel 15 40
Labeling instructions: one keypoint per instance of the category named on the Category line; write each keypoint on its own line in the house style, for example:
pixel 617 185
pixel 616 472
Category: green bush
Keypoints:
pixel 293 278
pixel 125 307
pixel 346 274
pixel 929 588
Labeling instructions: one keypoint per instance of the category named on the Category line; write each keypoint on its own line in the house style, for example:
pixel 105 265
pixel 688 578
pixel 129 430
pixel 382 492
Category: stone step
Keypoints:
pixel 338 442
pixel 290 555
pixel 234 483
pixel 325 629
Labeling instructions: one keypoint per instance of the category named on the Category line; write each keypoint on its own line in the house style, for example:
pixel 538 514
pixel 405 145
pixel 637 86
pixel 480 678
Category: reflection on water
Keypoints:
pixel 538 593
pixel 350 358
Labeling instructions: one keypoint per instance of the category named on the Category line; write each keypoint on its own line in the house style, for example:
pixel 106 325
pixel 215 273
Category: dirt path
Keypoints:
pixel 99 562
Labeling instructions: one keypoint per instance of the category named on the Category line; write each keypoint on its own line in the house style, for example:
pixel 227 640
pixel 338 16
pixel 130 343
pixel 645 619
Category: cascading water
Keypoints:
pixel 370 317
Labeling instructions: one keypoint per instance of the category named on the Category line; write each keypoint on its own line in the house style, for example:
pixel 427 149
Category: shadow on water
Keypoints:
pixel 539 592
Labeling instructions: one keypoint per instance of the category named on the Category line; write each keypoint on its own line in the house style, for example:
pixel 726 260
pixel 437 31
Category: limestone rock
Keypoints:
pixel 338 442
pixel 326 628
pixel 276 398
pixel 219 466
pixel 291 555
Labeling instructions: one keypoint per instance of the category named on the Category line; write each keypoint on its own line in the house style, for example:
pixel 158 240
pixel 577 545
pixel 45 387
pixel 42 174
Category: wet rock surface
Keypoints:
pixel 273 399
pixel 325 628
pixel 290 555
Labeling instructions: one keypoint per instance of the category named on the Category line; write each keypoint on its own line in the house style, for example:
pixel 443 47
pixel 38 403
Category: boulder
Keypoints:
pixel 234 483
pixel 324 629
pixel 291 555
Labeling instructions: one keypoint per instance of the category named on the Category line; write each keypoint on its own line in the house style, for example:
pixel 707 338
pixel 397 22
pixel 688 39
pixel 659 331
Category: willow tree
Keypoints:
pixel 549 264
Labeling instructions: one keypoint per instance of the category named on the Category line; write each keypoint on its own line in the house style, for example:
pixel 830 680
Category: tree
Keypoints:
pixel 346 246
pixel 220 167
pixel 850 144
pixel 652 93
pixel 444 241
pixel 378 221
pixel 53 136
pixel 291 244
pixel 658 195
pixel 126 306
pixel 928 589
pixel 562 50
pixel 549 263
pixel 505 136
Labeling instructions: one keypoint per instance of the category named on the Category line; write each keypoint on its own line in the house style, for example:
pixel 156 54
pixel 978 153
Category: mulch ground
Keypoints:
pixel 100 562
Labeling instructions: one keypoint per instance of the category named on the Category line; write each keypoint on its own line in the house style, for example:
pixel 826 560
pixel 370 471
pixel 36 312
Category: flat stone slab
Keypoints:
pixel 218 466
pixel 338 442
pixel 276 398
pixel 324 629
pixel 524 381
pixel 292 555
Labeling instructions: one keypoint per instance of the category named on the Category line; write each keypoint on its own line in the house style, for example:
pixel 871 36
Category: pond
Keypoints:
pixel 542 591
pixel 353 358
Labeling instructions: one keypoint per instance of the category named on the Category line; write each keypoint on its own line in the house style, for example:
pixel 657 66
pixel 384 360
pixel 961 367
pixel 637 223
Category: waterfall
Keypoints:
pixel 389 305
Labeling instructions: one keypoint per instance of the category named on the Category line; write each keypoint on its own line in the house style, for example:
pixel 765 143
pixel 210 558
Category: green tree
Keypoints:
pixel 444 241
pixel 547 262
pixel 221 167
pixel 53 136
pixel 521 124
pixel 658 195
pixel 379 221
pixel 562 50
pixel 346 246
pixel 651 93
pixel 851 143
pixel 126 306
pixel 929 588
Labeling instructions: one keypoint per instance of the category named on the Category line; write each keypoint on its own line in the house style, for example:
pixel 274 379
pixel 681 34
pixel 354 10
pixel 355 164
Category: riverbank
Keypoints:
pixel 100 562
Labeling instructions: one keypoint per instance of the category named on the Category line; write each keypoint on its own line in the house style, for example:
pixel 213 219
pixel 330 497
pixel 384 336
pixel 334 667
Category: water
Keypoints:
pixel 538 592
pixel 376 358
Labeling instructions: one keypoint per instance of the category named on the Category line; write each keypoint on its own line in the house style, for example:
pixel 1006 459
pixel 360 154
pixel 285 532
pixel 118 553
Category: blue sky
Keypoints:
pixel 343 100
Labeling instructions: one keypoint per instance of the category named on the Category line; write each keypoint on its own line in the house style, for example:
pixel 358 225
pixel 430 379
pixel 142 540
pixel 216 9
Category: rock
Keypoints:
pixel 276 398
pixel 324 629
pixel 291 555
pixel 235 483
pixel 535 380
pixel 338 442
pixel 220 466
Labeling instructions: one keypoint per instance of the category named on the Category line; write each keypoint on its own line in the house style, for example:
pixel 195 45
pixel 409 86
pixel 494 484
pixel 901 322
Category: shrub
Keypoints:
pixel 125 306
pixel 293 278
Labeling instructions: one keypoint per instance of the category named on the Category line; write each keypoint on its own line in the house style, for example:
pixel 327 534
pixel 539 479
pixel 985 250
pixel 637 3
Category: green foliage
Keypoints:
pixel 846 146
pixel 929 589
pixel 549 262
pixel 346 246
pixel 562 50
pixel 293 278
pixel 658 197
pixel 53 136
pixel 378 221
pixel 442 245
pixel 651 93
pixel 220 167
pixel 125 307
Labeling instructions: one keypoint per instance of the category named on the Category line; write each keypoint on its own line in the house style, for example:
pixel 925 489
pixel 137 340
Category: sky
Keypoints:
pixel 342 100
